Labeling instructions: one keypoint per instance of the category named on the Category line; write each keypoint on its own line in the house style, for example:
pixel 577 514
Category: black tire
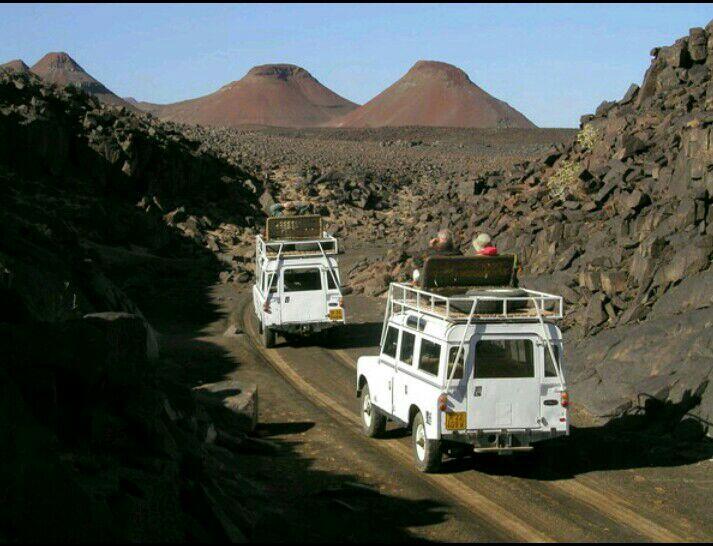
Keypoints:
pixel 427 453
pixel 373 422
pixel 268 336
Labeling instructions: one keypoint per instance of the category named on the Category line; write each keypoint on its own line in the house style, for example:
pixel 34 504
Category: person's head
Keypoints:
pixel 443 240
pixel 481 241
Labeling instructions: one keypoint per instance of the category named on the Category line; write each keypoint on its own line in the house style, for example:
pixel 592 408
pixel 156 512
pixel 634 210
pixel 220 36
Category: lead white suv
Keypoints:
pixel 297 286
pixel 466 367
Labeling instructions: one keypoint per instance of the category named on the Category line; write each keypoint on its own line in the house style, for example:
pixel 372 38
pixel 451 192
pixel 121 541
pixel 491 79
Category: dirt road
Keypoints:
pixel 522 498
pixel 325 481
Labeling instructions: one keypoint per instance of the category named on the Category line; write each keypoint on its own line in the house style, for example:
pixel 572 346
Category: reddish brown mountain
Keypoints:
pixel 60 69
pixel 272 94
pixel 15 66
pixel 434 94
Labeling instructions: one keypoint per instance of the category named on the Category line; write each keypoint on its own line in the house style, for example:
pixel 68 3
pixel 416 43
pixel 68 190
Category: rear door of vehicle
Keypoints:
pixel 504 385
pixel 335 311
pixel 303 295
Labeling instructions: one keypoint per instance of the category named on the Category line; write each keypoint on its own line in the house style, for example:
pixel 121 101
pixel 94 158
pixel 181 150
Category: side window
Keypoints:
pixel 266 278
pixel 430 357
pixel 408 340
pixel 392 337
pixel 504 358
pixel 302 280
pixel 452 353
pixel 330 280
pixel 550 370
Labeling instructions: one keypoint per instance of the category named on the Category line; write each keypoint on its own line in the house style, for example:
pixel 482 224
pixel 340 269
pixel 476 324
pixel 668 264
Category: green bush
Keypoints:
pixel 588 137
pixel 564 180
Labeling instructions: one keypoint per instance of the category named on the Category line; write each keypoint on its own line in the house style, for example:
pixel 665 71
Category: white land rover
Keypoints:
pixel 297 284
pixel 467 362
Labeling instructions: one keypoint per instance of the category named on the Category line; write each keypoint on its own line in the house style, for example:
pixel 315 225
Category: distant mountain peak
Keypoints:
pixel 279 71
pixel 434 94
pixel 57 60
pixel 59 68
pixel 16 65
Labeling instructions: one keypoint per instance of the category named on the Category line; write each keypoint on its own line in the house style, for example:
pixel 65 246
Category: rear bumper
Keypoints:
pixel 502 440
pixel 306 327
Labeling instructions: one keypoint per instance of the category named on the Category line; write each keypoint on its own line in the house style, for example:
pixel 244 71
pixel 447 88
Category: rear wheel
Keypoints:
pixel 373 421
pixel 427 453
pixel 268 336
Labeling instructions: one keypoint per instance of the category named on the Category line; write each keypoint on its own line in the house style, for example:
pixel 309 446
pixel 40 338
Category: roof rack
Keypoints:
pixel 489 307
pixel 293 248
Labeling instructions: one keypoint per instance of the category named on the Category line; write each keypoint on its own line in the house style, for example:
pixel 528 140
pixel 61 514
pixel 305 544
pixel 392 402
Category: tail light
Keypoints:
pixel 564 400
pixel 266 307
pixel 443 402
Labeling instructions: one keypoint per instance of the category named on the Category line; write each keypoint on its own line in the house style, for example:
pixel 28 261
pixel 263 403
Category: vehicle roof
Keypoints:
pixel 448 331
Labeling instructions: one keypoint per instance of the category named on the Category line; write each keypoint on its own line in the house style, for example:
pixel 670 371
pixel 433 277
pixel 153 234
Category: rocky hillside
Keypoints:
pixel 281 95
pixel 100 439
pixel 618 222
pixel 434 94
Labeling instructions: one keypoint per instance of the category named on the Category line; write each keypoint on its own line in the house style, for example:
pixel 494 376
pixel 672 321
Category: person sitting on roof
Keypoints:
pixel 441 245
pixel 290 208
pixel 482 246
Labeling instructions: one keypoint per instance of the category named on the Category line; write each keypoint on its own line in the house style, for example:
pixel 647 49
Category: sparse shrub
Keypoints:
pixel 564 180
pixel 588 137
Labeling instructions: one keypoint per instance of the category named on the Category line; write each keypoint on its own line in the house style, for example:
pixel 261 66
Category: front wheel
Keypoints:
pixel 372 420
pixel 428 453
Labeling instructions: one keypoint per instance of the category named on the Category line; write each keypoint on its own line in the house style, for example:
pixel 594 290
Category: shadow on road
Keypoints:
pixel 273 491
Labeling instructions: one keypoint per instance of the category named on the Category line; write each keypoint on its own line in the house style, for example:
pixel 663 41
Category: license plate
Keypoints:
pixel 335 314
pixel 455 420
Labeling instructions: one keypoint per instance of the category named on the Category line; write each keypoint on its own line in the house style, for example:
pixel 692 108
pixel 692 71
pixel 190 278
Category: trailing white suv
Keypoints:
pixel 297 284
pixel 467 366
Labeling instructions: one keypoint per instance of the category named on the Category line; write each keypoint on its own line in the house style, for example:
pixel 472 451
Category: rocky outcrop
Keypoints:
pixel 99 441
pixel 619 223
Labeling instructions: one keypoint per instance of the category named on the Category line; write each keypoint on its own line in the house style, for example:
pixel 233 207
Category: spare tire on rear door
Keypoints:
pixel 492 307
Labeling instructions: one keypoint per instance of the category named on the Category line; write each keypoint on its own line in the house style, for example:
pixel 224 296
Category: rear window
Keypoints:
pixel 550 370
pixel 504 358
pixel 430 357
pixel 392 338
pixel 408 340
pixel 330 281
pixel 302 280
pixel 452 353
pixel 266 278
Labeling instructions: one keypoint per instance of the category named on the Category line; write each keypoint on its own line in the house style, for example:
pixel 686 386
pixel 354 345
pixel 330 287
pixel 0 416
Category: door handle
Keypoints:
pixel 287 299
pixel 478 391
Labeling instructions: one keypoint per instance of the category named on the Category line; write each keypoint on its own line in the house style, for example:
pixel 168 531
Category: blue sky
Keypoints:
pixel 551 62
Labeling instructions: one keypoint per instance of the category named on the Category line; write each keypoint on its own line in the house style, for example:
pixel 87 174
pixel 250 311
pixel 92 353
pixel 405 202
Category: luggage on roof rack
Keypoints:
pixel 294 227
pixel 459 273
